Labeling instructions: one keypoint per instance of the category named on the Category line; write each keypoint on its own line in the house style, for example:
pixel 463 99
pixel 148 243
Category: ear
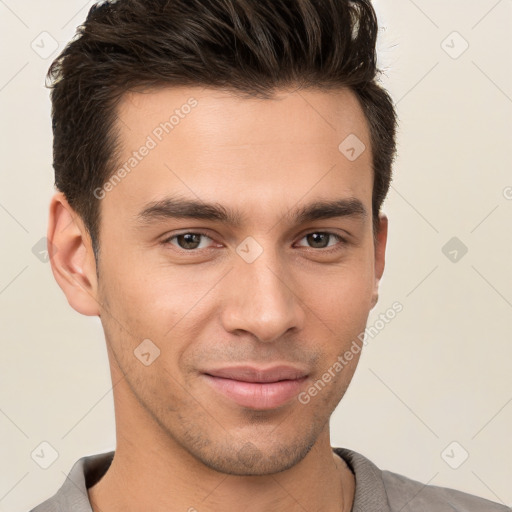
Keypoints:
pixel 381 238
pixel 72 257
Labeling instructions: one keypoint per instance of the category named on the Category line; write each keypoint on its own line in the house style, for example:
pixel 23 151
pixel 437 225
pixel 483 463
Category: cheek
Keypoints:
pixel 163 304
pixel 341 295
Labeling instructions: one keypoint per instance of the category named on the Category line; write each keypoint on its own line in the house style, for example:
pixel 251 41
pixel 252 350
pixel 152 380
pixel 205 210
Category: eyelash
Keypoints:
pixel 326 250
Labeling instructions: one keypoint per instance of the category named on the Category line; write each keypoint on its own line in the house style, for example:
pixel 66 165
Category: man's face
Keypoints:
pixel 269 290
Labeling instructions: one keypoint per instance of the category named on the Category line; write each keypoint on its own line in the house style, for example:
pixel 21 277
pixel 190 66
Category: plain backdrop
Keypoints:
pixel 432 397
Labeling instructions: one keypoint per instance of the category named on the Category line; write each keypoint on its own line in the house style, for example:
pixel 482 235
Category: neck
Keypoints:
pixel 145 476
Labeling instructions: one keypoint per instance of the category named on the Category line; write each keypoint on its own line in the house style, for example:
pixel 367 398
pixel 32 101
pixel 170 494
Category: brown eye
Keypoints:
pixel 188 241
pixel 320 239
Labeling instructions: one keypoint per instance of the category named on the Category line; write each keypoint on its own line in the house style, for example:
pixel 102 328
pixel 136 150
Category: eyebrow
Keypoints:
pixel 182 208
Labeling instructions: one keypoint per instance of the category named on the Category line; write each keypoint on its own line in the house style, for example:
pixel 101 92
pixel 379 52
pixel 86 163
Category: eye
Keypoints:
pixel 318 239
pixel 187 241
pixel 191 240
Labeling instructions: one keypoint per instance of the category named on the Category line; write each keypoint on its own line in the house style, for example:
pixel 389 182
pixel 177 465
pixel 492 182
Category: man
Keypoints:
pixel 221 167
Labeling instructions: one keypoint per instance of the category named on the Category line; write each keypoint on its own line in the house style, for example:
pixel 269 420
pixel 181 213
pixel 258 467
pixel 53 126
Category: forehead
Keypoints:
pixel 311 115
pixel 215 146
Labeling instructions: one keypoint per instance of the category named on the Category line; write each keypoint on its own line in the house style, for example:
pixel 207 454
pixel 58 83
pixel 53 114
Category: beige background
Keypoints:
pixel 438 373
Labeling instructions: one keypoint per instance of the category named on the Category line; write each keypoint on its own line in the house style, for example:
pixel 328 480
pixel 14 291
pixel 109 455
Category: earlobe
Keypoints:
pixel 71 256
pixel 380 254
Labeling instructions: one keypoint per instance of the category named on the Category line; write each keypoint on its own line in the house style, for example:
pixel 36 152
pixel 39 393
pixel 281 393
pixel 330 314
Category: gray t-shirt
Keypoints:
pixel 376 490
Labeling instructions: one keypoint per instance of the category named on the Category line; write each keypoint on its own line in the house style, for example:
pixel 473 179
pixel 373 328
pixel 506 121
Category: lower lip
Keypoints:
pixel 256 395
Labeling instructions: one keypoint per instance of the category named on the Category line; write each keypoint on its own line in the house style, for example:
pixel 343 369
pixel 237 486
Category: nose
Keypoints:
pixel 261 299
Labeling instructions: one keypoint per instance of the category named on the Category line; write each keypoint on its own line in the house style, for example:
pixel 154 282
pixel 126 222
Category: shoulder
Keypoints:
pixel 386 491
pixel 72 495
pixel 409 495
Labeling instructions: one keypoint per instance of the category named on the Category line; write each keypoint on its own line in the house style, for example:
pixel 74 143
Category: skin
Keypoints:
pixel 180 444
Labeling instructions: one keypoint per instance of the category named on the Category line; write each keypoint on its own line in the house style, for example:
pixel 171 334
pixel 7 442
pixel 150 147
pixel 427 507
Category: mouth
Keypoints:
pixel 257 388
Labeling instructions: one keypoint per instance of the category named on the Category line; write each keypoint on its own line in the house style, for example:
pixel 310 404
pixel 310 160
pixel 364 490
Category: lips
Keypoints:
pixel 257 388
pixel 252 374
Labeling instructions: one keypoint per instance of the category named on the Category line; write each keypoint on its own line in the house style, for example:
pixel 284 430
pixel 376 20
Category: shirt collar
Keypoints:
pixel 370 493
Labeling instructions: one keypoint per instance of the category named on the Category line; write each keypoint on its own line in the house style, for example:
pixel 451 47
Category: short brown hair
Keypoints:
pixel 250 47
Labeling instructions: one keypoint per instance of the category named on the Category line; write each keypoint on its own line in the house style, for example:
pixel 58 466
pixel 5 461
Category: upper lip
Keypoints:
pixel 253 374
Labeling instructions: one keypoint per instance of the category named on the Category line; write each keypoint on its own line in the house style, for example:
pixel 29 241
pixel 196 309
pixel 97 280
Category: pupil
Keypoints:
pixel 316 236
pixel 188 240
